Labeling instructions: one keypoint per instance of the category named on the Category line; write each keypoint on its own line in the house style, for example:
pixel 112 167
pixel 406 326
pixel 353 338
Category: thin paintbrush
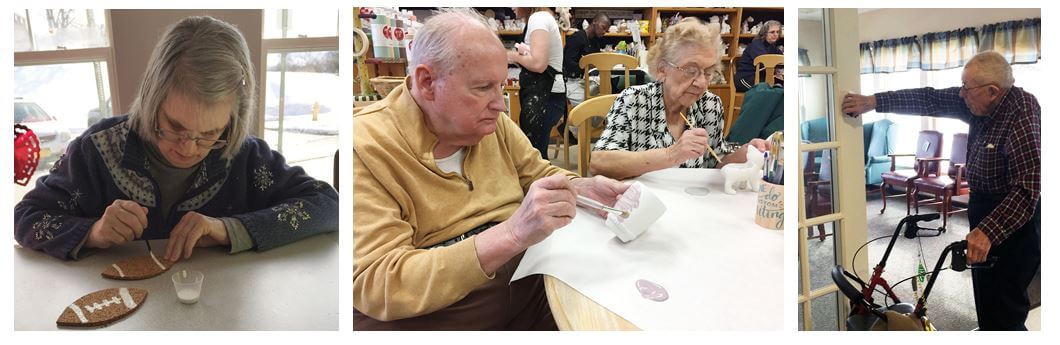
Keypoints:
pixel 590 203
pixel 689 123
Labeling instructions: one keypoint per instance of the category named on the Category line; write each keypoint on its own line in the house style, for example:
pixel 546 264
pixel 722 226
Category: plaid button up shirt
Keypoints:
pixel 1004 149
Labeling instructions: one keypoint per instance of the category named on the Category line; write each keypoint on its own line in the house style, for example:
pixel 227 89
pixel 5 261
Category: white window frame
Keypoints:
pixel 80 55
pixel 286 45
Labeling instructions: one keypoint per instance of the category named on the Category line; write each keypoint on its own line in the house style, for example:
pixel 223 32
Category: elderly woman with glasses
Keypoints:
pixel 180 165
pixel 646 127
pixel 765 42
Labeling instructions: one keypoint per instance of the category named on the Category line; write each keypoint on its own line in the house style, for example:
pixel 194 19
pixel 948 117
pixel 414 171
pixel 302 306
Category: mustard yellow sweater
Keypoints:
pixel 404 203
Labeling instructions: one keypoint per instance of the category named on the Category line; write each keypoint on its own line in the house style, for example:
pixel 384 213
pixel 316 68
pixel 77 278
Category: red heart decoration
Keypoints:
pixel 27 154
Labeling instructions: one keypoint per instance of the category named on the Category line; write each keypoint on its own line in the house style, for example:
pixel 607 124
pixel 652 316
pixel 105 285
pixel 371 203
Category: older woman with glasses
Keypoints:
pixel 646 127
pixel 180 165
pixel 765 42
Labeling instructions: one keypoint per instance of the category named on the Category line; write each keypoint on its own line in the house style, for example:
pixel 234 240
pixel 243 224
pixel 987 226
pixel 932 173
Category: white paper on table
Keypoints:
pixel 721 271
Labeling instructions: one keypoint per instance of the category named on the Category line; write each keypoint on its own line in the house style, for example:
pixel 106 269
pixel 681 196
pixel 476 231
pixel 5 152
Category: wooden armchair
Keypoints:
pixel 769 63
pixel 604 63
pixel 818 190
pixel 945 187
pixel 735 98
pixel 579 116
pixel 928 146
pixel 764 62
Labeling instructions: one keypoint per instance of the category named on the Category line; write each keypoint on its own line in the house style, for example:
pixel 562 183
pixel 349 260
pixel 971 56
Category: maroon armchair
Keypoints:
pixel 818 189
pixel 945 187
pixel 928 146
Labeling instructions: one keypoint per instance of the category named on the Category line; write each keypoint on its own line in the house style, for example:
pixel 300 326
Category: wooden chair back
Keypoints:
pixel 579 116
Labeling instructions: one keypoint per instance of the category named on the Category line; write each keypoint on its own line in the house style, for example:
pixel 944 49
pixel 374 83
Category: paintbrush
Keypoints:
pixel 590 203
pixel 689 123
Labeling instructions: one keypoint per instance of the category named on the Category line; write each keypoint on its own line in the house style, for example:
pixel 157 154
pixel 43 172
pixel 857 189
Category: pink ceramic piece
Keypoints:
pixel 652 291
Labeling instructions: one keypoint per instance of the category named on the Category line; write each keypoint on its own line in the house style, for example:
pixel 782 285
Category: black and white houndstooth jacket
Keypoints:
pixel 637 122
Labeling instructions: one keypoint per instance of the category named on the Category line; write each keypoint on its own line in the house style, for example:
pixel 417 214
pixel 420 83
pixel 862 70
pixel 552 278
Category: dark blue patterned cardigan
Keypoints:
pixel 277 204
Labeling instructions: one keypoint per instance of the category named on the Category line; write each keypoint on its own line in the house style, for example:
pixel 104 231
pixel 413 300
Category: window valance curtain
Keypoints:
pixel 1018 40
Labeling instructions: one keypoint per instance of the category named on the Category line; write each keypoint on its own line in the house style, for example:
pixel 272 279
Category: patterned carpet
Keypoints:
pixel 950 305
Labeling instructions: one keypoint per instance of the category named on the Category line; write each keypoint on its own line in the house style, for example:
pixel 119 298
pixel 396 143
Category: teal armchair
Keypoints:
pixel 880 140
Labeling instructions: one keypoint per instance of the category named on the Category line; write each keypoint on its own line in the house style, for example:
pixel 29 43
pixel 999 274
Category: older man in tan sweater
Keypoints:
pixel 448 193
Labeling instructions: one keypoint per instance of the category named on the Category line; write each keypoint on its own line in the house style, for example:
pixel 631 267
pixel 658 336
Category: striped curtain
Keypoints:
pixel 911 49
pixel 948 49
pixel 866 58
pixel 1019 41
pixel 894 55
pixel 804 57
pixel 883 56
pixel 804 60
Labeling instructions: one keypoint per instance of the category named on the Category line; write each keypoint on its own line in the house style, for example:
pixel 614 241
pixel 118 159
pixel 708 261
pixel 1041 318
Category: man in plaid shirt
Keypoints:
pixel 1004 174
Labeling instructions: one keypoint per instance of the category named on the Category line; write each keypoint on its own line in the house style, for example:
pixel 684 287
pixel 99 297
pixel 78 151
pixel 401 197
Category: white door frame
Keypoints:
pixel 841 42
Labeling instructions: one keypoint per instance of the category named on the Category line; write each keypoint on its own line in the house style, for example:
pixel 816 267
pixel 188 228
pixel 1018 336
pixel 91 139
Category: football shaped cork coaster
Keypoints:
pixel 102 307
pixel 137 268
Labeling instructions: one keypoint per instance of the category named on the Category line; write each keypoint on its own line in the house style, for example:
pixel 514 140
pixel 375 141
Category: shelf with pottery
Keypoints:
pixel 376 61
pixel 369 67
pixel 733 37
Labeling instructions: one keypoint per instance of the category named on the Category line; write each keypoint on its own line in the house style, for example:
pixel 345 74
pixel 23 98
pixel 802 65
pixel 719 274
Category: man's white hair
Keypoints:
pixel 437 43
pixel 991 67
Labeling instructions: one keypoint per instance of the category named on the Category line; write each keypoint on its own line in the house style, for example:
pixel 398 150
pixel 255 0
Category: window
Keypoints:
pixel 1026 76
pixel 62 77
pixel 301 23
pixel 59 29
pixel 908 126
pixel 302 88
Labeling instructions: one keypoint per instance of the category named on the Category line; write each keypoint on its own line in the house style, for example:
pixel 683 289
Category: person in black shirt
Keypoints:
pixel 580 44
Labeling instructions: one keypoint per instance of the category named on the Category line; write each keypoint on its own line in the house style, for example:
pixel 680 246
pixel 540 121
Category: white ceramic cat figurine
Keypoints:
pixel 744 175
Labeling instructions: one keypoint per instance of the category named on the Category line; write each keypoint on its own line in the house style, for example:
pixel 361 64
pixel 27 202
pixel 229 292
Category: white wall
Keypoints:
pixel 135 33
pixel 896 23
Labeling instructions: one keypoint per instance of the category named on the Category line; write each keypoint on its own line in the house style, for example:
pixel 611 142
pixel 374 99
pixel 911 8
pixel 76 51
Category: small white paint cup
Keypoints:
pixel 188 284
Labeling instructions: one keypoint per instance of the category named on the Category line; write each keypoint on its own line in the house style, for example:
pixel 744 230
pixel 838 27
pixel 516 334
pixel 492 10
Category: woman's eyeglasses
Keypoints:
pixel 178 138
pixel 692 72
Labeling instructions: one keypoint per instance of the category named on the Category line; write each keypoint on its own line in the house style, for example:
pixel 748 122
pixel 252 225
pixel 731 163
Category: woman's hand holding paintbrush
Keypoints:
pixel 700 132
pixel 692 144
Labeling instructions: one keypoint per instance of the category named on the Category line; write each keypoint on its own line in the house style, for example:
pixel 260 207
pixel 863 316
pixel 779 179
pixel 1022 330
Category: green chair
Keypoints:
pixel 761 114
pixel 880 140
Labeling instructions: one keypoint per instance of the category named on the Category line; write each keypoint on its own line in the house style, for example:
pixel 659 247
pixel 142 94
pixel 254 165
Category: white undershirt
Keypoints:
pixel 453 163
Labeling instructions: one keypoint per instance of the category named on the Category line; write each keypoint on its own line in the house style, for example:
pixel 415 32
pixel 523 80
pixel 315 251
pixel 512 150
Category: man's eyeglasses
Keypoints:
pixel 966 89
pixel 692 72
pixel 178 138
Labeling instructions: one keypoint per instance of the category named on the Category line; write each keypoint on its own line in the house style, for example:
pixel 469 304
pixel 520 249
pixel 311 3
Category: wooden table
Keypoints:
pixel 572 310
pixel 293 287
pixel 575 312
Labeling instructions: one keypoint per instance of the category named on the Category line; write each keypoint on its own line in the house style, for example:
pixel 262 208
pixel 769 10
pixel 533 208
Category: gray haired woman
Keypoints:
pixel 765 42
pixel 180 165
